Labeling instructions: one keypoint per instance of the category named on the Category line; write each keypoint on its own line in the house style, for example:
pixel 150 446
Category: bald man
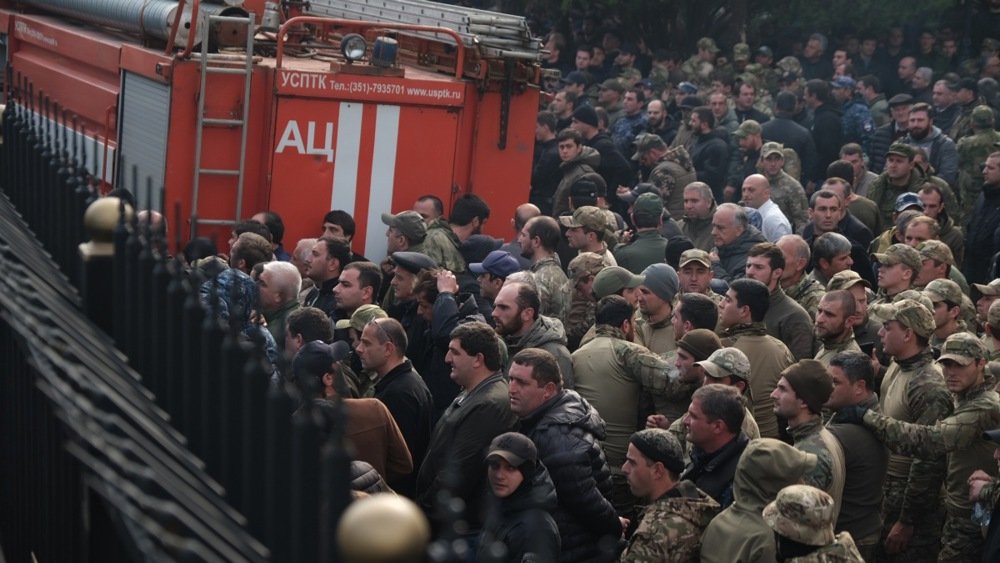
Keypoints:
pixel 523 213
pixel 757 194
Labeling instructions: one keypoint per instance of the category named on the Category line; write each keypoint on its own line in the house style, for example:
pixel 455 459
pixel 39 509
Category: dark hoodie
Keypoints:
pixel 520 527
pixel 828 133
pixel 739 534
pixel 567 432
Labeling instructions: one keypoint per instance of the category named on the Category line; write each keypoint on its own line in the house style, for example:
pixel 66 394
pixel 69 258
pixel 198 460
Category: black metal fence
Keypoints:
pixel 135 425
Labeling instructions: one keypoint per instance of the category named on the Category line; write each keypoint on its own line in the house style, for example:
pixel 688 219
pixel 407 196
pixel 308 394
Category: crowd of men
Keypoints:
pixel 747 313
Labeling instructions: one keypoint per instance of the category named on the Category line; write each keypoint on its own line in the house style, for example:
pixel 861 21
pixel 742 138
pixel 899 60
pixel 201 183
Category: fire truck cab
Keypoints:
pixel 213 111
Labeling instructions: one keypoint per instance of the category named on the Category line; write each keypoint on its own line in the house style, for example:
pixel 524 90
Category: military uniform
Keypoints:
pixel 884 193
pixel 581 307
pixel 828 475
pixel 441 245
pixel 807 292
pixel 674 171
pixel 831 347
pixel 699 231
pixel 806 515
pixel 913 391
pixel 790 196
pixel 768 358
pixel 658 337
pixel 551 281
pixel 972 153
pixel 646 247
pixel 671 527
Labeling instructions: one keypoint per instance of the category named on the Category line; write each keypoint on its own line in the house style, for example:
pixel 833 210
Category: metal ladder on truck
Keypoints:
pixel 493 34
pixel 222 64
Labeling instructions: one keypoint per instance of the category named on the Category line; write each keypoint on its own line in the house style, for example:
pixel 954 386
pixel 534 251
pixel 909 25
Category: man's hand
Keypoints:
pixel 898 538
pixel 625 522
pixel 657 421
pixel 446 282
pixel 977 481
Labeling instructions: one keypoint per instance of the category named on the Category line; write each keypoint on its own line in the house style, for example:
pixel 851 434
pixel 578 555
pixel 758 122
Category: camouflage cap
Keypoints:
pixel 916 295
pixel 772 148
pixel 789 65
pixel 741 52
pixel 588 217
pixel 646 142
pixel 846 280
pixel 630 74
pixel 901 149
pixel 409 224
pixel 726 362
pixel 992 288
pixel 747 128
pixel 583 265
pixel 612 84
pixel 993 315
pixel 695 255
pixel 937 251
pixel 910 313
pixel 361 317
pixel 963 348
pixel 944 290
pixel 660 445
pixel 803 514
pixel 708 44
pixel 613 279
pixel 982 117
pixel 900 254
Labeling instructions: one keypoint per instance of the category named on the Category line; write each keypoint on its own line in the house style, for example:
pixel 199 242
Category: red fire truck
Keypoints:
pixel 233 107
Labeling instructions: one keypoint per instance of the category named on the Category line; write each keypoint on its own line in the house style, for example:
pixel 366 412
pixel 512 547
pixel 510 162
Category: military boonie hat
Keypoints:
pixel 613 279
pixel 901 149
pixel 727 362
pixel 910 313
pixel 648 205
pixel 588 217
pixel 708 44
pixel 409 223
pixel 747 128
pixel 803 514
pixel 413 262
pixel 937 251
pixel 982 117
pixel 992 288
pixel 900 254
pixel 583 265
pixel 741 52
pixel 695 255
pixel 612 84
pixel 943 290
pixel 361 317
pixel 963 348
pixel 846 280
pixel 772 148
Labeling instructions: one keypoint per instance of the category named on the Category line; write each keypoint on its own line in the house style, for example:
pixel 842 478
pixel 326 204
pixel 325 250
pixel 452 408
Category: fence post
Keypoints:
pixel 97 260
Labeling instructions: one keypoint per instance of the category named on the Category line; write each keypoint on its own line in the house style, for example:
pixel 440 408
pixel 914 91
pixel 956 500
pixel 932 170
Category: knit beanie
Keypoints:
pixel 662 280
pixel 811 383
pixel 700 343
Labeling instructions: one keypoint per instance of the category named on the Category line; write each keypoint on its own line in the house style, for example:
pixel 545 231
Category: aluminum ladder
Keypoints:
pixel 232 65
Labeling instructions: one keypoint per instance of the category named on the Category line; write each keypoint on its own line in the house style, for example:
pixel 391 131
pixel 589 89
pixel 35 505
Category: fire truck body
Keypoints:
pixel 222 136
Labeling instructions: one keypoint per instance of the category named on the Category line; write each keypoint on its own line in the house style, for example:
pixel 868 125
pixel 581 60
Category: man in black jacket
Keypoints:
pixel 382 349
pixel 480 413
pixel 566 430
pixel 981 240
pixel 614 168
pixel 827 130
pixel 710 152
pixel 783 129
pixel 886 135
pixel 714 424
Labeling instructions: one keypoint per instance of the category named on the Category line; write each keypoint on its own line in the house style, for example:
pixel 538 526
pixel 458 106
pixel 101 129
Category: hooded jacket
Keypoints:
pixel 548 334
pixel 522 523
pixel 941 153
pixel 842 550
pixel 584 165
pixel 732 262
pixel 567 430
pixel 671 527
pixel 739 534
pixel 828 133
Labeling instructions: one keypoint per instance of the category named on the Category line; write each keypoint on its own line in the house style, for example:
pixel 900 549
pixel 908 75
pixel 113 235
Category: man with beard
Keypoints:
pixel 516 318
pixel 659 122
pixel 710 152
pixel 695 274
pixel 539 239
pixel 940 149
pixel 835 319
pixel 900 176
